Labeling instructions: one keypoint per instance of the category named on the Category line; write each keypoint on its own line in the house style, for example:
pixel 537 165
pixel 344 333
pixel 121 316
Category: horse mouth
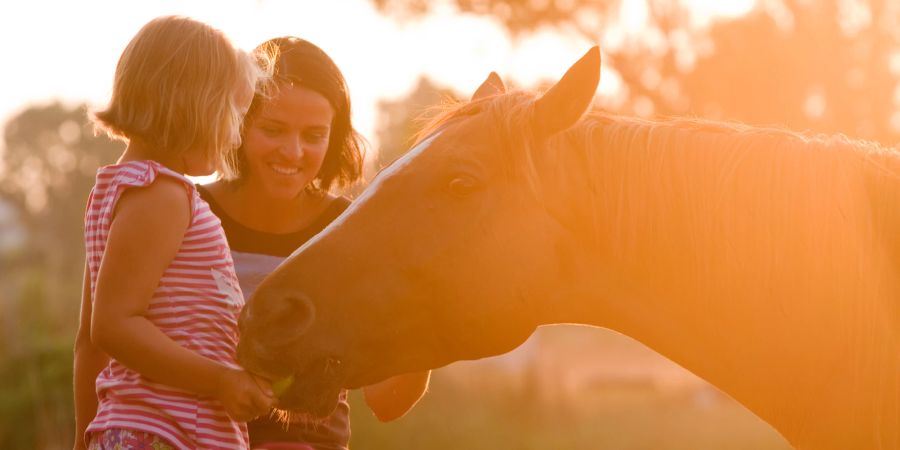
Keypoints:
pixel 310 399
pixel 316 386
pixel 316 389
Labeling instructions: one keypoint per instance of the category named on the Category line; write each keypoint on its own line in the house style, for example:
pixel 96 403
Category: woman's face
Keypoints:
pixel 286 142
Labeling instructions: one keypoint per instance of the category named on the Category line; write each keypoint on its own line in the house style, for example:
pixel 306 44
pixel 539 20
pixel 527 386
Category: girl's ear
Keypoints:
pixel 561 106
pixel 493 85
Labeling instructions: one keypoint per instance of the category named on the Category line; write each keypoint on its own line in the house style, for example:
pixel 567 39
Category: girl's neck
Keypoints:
pixel 253 208
pixel 138 151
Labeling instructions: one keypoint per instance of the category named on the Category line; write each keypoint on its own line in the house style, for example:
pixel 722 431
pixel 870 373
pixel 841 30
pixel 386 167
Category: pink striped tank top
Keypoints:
pixel 196 303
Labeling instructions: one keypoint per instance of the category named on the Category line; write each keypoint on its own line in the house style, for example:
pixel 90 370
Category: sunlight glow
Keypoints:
pixel 71 54
pixel 705 10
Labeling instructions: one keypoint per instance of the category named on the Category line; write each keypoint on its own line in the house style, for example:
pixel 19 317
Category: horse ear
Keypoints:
pixel 561 106
pixel 493 85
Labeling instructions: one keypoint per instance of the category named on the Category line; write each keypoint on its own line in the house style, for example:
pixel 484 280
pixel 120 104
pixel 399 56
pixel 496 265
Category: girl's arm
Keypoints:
pixel 89 361
pixel 144 237
pixel 394 397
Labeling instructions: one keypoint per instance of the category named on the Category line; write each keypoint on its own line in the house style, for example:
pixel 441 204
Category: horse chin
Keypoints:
pixel 309 399
pixel 315 390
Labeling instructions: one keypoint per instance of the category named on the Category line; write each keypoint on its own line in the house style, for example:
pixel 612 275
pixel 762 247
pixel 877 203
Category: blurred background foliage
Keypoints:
pixel 48 163
pixel 824 66
pixel 820 65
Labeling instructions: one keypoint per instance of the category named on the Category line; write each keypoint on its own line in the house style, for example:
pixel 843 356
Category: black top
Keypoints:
pixel 255 255
pixel 248 240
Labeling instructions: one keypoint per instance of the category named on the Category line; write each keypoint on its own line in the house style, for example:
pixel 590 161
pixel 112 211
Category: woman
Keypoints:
pixel 298 143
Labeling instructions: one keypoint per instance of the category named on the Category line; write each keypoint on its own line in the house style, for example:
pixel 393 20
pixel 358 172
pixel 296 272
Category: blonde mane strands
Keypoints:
pixel 744 222
pixel 733 192
pixel 759 226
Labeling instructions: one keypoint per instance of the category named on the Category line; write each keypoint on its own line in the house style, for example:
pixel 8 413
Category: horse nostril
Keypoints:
pixel 302 310
pixel 282 320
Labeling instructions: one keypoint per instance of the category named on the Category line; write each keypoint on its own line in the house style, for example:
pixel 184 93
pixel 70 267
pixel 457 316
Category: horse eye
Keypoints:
pixel 463 185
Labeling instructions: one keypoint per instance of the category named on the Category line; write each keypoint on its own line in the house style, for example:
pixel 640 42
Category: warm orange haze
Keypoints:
pixel 759 259
pixel 711 189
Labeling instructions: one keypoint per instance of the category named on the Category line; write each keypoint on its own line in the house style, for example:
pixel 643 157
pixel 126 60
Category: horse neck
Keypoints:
pixel 747 257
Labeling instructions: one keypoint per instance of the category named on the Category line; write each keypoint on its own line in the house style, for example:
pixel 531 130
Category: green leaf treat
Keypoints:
pixel 282 385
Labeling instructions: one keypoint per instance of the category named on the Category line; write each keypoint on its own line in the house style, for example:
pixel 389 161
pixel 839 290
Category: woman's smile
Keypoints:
pixel 285 170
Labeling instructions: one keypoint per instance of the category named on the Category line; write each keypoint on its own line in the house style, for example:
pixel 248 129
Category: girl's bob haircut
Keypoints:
pixel 174 89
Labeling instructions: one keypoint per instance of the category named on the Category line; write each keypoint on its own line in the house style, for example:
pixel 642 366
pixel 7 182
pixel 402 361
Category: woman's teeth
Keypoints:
pixel 284 170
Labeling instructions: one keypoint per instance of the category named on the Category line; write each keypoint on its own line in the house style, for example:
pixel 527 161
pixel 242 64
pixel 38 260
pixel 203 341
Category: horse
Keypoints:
pixel 761 259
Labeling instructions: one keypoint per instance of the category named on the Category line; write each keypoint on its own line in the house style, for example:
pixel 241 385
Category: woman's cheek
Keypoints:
pixel 256 137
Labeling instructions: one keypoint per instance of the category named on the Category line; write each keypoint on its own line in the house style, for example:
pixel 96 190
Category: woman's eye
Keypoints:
pixel 316 138
pixel 463 185
pixel 271 131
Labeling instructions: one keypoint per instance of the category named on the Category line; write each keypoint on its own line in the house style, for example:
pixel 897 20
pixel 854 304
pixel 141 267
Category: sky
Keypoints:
pixel 68 50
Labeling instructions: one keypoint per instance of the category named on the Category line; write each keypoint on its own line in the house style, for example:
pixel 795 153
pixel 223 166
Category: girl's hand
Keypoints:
pixel 244 396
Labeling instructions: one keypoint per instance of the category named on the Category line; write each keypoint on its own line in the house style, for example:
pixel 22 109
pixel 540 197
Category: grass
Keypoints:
pixel 456 416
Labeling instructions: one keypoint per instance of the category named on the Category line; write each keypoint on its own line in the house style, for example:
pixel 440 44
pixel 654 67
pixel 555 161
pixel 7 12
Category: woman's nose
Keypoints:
pixel 293 148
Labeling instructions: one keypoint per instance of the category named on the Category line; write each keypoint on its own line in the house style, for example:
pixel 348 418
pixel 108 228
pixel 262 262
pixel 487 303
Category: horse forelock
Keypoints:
pixel 507 121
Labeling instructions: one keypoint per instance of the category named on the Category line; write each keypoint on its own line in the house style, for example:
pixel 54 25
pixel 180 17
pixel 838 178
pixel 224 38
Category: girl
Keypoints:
pixel 298 143
pixel 160 296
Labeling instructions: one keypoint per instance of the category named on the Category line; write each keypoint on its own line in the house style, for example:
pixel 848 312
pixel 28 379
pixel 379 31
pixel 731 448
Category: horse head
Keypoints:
pixel 444 256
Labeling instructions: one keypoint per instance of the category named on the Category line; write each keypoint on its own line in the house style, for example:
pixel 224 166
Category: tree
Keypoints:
pixel 49 163
pixel 666 37
pixel 828 66
pixel 399 121
pixel 48 167
pixel 807 67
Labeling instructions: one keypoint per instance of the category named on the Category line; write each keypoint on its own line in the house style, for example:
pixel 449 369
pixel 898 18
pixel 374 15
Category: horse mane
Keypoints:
pixel 811 214
pixel 794 230
pixel 722 188
pixel 821 168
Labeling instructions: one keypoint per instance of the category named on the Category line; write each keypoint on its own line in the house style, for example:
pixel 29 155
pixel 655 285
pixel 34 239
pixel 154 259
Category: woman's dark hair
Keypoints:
pixel 298 62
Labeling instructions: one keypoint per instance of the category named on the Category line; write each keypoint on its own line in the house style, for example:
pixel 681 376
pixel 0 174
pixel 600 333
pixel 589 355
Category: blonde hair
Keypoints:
pixel 175 89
